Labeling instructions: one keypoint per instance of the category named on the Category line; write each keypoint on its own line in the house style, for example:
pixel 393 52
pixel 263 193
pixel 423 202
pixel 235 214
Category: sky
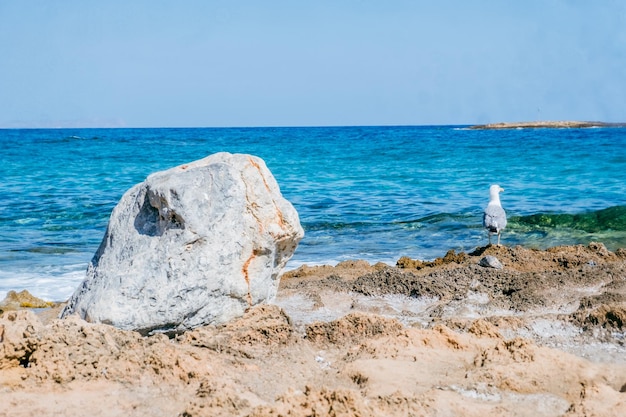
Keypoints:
pixel 214 63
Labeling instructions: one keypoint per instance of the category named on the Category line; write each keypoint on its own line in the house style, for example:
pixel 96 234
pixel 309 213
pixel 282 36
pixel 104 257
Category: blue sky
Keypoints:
pixel 309 63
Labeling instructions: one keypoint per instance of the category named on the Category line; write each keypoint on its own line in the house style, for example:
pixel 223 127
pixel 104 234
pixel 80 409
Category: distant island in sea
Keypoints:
pixel 545 124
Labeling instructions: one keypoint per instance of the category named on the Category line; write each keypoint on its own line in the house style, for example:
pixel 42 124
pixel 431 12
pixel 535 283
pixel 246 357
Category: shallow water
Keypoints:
pixel 374 193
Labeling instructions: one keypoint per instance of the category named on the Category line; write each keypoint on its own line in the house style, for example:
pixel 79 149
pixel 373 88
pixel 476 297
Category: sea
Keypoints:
pixel 372 193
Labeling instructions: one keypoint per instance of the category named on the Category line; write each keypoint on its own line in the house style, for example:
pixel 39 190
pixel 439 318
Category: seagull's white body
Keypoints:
pixel 494 217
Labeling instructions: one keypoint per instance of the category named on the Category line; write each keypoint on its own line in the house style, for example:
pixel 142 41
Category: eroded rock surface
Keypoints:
pixel 196 244
pixel 260 365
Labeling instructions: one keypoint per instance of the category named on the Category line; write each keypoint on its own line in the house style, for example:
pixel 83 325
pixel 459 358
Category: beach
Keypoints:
pixel 385 308
pixel 287 210
pixel 543 336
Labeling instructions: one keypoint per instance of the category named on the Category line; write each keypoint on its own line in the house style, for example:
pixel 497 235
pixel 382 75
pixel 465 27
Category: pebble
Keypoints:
pixel 490 261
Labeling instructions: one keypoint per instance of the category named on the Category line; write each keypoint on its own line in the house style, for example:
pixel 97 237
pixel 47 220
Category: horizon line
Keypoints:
pixel 225 127
pixel 301 126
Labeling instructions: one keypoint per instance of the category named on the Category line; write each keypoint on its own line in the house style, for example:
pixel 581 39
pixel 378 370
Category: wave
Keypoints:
pixel 338 225
pixel 438 220
pixel 611 219
pixel 48 250
pixel 608 219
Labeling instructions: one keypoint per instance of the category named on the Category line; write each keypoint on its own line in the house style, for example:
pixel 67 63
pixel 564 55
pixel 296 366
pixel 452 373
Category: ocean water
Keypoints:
pixel 373 193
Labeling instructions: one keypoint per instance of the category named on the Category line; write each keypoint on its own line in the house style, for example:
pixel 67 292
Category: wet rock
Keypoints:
pixel 196 244
pixel 437 284
pixel 490 261
pixel 23 299
pixel 607 316
pixel 451 257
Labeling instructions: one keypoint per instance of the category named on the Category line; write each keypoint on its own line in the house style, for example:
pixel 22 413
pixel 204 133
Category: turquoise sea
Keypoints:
pixel 374 193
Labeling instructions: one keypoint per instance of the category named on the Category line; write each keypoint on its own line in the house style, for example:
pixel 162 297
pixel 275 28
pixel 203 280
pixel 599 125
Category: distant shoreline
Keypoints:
pixel 545 124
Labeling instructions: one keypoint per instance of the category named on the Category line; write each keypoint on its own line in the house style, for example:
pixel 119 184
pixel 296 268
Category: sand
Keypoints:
pixel 544 336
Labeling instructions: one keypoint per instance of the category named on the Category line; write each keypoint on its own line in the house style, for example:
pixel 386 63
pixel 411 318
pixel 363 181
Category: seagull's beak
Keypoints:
pixel 501 189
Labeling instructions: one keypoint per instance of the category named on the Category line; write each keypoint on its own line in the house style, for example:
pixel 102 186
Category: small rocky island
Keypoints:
pixel 545 124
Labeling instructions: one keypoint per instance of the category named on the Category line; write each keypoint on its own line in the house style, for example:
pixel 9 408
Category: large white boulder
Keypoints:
pixel 196 244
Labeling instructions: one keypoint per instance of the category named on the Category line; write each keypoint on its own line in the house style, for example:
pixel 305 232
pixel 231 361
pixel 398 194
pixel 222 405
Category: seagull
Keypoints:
pixel 494 217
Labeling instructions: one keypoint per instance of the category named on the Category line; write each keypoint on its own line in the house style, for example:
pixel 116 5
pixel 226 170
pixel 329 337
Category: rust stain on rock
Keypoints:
pixel 258 167
pixel 246 276
pixel 279 214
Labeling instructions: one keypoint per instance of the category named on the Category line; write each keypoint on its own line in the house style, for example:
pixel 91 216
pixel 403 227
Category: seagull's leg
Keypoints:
pixel 489 234
pixel 498 238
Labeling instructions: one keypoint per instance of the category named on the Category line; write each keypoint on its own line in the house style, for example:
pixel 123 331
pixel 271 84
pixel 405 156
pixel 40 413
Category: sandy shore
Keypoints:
pixel 544 336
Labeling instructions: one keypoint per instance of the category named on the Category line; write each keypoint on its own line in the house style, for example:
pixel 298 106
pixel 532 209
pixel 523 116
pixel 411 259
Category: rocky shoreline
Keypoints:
pixel 544 335
pixel 545 124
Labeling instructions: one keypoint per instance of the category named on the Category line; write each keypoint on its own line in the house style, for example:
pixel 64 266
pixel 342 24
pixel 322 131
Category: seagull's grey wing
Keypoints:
pixel 494 218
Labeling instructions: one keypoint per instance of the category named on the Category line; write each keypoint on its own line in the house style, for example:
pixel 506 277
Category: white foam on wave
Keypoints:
pixel 27 220
pixel 297 263
pixel 49 283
